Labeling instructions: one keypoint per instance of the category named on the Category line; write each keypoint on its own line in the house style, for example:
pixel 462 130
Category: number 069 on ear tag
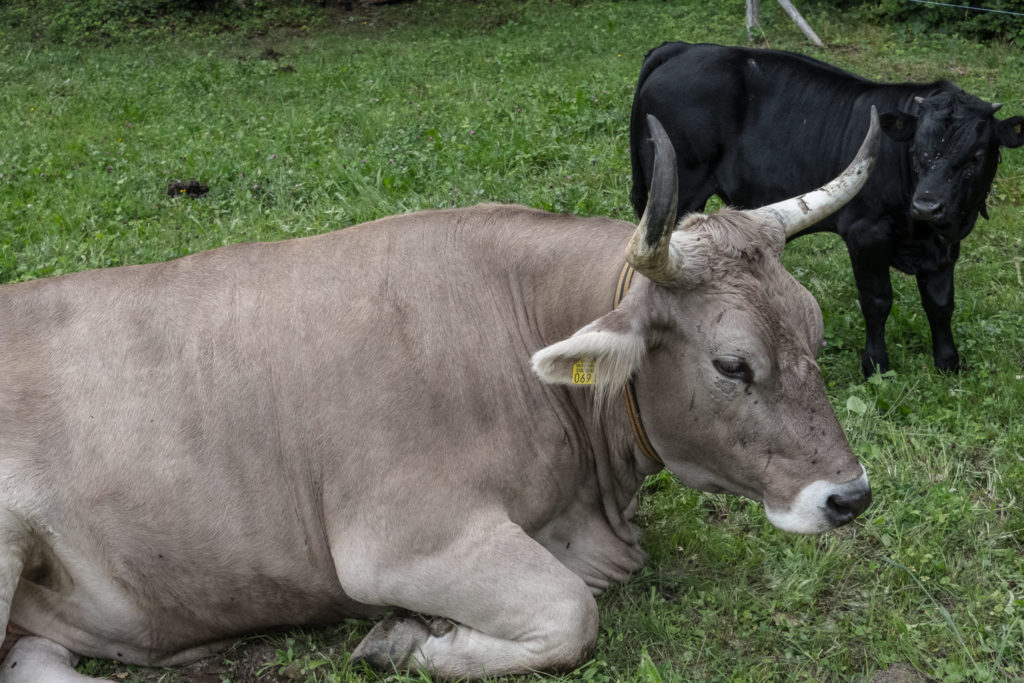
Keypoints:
pixel 583 371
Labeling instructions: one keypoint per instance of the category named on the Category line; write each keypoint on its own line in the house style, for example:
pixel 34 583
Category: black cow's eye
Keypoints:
pixel 734 368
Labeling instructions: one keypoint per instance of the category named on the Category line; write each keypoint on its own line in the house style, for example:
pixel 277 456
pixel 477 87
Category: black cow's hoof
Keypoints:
pixel 948 363
pixel 870 366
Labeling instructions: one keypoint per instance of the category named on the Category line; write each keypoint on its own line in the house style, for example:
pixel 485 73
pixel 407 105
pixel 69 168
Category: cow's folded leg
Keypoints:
pixel 33 660
pixel 14 543
pixel 503 604
pixel 30 659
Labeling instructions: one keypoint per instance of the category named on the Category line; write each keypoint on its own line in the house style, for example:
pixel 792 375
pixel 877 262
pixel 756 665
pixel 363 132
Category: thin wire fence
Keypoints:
pixel 968 7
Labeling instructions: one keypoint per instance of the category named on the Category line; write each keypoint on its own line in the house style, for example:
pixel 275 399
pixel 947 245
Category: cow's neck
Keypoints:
pixel 620 469
pixel 628 455
pixel 636 422
pixel 565 299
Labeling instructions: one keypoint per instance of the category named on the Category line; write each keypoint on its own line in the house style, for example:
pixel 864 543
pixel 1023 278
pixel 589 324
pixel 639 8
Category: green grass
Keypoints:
pixel 419 105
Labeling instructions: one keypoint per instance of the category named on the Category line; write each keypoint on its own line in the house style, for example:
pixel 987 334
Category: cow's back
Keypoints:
pixel 758 126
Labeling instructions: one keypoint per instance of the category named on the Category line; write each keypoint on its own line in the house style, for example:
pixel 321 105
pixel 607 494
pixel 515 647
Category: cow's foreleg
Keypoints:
pixel 936 288
pixel 870 255
pixel 502 604
pixel 34 659
pixel 14 545
pixel 30 659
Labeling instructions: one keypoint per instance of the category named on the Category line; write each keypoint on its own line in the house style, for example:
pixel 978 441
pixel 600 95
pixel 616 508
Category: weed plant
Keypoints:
pixel 395 108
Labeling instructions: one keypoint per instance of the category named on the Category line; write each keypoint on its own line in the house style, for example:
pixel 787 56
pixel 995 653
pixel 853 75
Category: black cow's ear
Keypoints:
pixel 1011 131
pixel 899 125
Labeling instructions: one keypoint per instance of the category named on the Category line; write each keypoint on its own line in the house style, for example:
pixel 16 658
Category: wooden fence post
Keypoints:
pixel 754 20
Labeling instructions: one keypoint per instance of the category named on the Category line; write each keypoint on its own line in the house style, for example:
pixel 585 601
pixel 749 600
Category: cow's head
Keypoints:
pixel 721 341
pixel 954 149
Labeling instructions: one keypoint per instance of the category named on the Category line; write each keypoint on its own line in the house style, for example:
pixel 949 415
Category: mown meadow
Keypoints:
pixel 340 117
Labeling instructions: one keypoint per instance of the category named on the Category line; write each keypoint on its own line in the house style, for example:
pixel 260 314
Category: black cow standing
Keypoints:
pixel 756 126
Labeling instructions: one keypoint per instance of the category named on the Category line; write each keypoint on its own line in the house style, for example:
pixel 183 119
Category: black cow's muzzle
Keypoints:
pixel 927 208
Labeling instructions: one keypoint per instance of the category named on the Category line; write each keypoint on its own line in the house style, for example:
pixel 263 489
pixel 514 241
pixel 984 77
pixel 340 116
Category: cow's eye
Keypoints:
pixel 734 368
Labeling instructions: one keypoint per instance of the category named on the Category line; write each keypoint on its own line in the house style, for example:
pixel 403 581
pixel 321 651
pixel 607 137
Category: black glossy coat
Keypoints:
pixel 758 126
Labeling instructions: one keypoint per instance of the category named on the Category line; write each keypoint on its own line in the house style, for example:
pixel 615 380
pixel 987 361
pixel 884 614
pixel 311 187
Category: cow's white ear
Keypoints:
pixel 605 353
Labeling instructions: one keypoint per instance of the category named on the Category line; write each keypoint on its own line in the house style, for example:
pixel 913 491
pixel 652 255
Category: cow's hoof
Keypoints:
pixel 948 363
pixel 389 645
pixel 870 367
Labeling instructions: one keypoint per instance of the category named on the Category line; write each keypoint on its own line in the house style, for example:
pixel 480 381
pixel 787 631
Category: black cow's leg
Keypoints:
pixel 869 254
pixel 874 290
pixel 936 288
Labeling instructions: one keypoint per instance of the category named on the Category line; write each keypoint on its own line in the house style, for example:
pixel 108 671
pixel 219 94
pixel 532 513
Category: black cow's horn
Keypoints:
pixel 649 249
pixel 799 213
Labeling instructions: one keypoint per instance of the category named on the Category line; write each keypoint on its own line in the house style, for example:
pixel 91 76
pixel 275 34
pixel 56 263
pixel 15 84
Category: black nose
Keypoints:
pixel 842 508
pixel 927 209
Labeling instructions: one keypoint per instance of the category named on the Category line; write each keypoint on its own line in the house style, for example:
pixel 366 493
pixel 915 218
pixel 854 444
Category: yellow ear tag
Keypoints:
pixel 583 371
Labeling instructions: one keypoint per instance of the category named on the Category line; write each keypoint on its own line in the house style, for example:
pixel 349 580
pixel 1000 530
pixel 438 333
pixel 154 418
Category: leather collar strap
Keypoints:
pixel 629 392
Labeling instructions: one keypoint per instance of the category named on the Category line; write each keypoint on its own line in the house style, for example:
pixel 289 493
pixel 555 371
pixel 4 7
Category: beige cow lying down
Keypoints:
pixel 425 412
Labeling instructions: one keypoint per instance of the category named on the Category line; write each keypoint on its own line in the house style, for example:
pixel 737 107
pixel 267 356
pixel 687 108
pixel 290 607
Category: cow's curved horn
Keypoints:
pixel 799 213
pixel 996 106
pixel 648 249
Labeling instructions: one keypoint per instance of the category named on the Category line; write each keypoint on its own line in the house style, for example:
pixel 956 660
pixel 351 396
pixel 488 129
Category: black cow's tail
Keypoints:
pixel 638 123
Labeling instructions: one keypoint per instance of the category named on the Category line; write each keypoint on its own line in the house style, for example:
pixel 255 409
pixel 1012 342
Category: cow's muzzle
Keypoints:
pixel 822 505
pixel 843 507
pixel 927 208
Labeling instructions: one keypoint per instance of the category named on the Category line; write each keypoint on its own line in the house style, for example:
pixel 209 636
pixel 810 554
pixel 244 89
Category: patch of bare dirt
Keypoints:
pixel 897 673
pixel 190 188
pixel 248 662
